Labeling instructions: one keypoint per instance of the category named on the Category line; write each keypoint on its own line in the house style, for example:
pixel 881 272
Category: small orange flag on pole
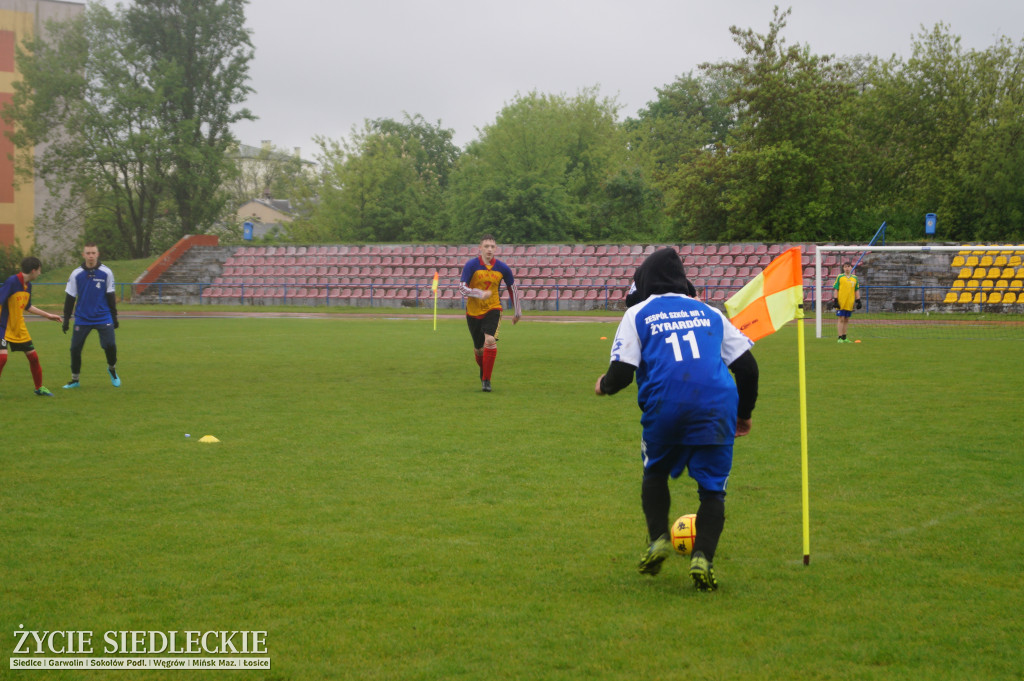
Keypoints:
pixel 433 287
pixel 770 299
pixel 762 307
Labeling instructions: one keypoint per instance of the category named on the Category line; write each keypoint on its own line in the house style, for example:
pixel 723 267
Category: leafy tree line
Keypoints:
pixel 130 111
pixel 780 144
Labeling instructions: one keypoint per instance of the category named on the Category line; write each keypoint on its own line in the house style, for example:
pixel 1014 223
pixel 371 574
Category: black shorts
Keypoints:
pixel 16 347
pixel 484 326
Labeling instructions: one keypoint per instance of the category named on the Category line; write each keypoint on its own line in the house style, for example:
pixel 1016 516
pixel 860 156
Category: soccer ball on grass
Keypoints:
pixel 684 531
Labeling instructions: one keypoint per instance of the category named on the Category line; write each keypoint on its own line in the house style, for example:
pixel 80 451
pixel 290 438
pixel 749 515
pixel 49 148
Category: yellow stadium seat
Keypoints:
pixel 979 297
pixel 1002 285
pixel 972 261
pixel 1016 284
pixel 986 261
pixel 1000 261
pixel 1010 297
pixel 1020 273
pixel 1014 261
pixel 995 297
pixel 980 272
pixel 972 284
pixel 958 261
pixel 987 284
pixel 993 273
pixel 966 272
pixel 951 297
pixel 959 283
pixel 1007 273
pixel 965 297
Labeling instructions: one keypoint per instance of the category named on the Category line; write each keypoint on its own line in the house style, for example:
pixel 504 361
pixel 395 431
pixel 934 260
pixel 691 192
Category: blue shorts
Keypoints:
pixel 844 313
pixel 709 465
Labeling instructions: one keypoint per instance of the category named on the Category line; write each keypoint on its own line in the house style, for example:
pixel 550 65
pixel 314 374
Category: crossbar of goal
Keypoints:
pixel 820 250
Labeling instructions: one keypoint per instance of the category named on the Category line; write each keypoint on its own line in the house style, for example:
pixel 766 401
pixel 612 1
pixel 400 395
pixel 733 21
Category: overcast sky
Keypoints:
pixel 322 66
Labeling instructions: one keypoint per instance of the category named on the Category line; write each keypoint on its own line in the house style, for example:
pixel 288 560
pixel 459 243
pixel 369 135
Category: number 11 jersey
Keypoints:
pixel 681 349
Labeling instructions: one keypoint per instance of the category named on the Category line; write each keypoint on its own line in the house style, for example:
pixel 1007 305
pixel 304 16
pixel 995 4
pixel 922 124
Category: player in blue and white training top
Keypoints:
pixel 90 293
pixel 682 351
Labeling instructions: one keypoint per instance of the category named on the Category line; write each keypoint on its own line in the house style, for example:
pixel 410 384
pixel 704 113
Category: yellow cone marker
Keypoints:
pixel 208 438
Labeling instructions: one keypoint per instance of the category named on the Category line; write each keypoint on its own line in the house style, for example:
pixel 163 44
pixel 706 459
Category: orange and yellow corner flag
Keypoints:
pixel 761 308
pixel 770 299
pixel 433 285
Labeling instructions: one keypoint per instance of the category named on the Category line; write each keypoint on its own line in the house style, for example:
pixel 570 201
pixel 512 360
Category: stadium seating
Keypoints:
pixel 985 277
pixel 549 275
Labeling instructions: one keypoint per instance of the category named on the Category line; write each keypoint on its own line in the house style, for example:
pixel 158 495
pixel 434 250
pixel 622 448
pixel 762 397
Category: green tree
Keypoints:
pixel 133 118
pixel 781 173
pixel 946 132
pixel 10 260
pixel 80 96
pixel 196 54
pixel 992 159
pixel 385 182
pixel 551 168
pixel 689 118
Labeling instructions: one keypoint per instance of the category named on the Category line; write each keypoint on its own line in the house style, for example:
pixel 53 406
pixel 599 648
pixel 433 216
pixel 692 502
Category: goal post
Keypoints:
pixel 914 283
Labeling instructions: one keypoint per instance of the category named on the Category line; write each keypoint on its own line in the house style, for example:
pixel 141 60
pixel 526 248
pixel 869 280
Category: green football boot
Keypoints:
pixel 657 552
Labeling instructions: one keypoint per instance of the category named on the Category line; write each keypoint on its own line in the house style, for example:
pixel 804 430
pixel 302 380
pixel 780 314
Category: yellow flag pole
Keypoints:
pixel 434 286
pixel 805 492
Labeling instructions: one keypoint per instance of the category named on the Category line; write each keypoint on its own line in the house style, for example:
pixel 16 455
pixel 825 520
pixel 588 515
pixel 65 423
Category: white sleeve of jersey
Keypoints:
pixel 470 292
pixel 110 279
pixel 626 347
pixel 72 287
pixel 513 293
pixel 734 343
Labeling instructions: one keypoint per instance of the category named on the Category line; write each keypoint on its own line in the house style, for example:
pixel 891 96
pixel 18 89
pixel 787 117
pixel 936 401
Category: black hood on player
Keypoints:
pixel 661 272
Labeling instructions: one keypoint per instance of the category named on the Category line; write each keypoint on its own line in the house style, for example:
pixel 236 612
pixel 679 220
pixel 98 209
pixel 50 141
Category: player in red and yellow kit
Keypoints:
pixel 479 284
pixel 15 299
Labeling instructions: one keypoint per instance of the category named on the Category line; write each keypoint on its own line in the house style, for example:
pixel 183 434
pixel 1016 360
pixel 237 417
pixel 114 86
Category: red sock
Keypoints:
pixel 3 361
pixel 488 362
pixel 37 371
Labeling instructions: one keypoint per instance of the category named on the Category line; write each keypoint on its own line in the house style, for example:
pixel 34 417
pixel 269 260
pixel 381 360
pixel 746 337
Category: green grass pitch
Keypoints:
pixel 381 518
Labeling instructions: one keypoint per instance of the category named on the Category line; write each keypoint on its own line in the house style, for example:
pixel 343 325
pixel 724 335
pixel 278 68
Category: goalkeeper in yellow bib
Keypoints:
pixel 847 296
pixel 479 284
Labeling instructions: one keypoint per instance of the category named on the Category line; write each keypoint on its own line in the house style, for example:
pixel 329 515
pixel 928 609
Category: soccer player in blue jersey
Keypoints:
pixel 90 293
pixel 681 352
pixel 479 284
pixel 15 301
